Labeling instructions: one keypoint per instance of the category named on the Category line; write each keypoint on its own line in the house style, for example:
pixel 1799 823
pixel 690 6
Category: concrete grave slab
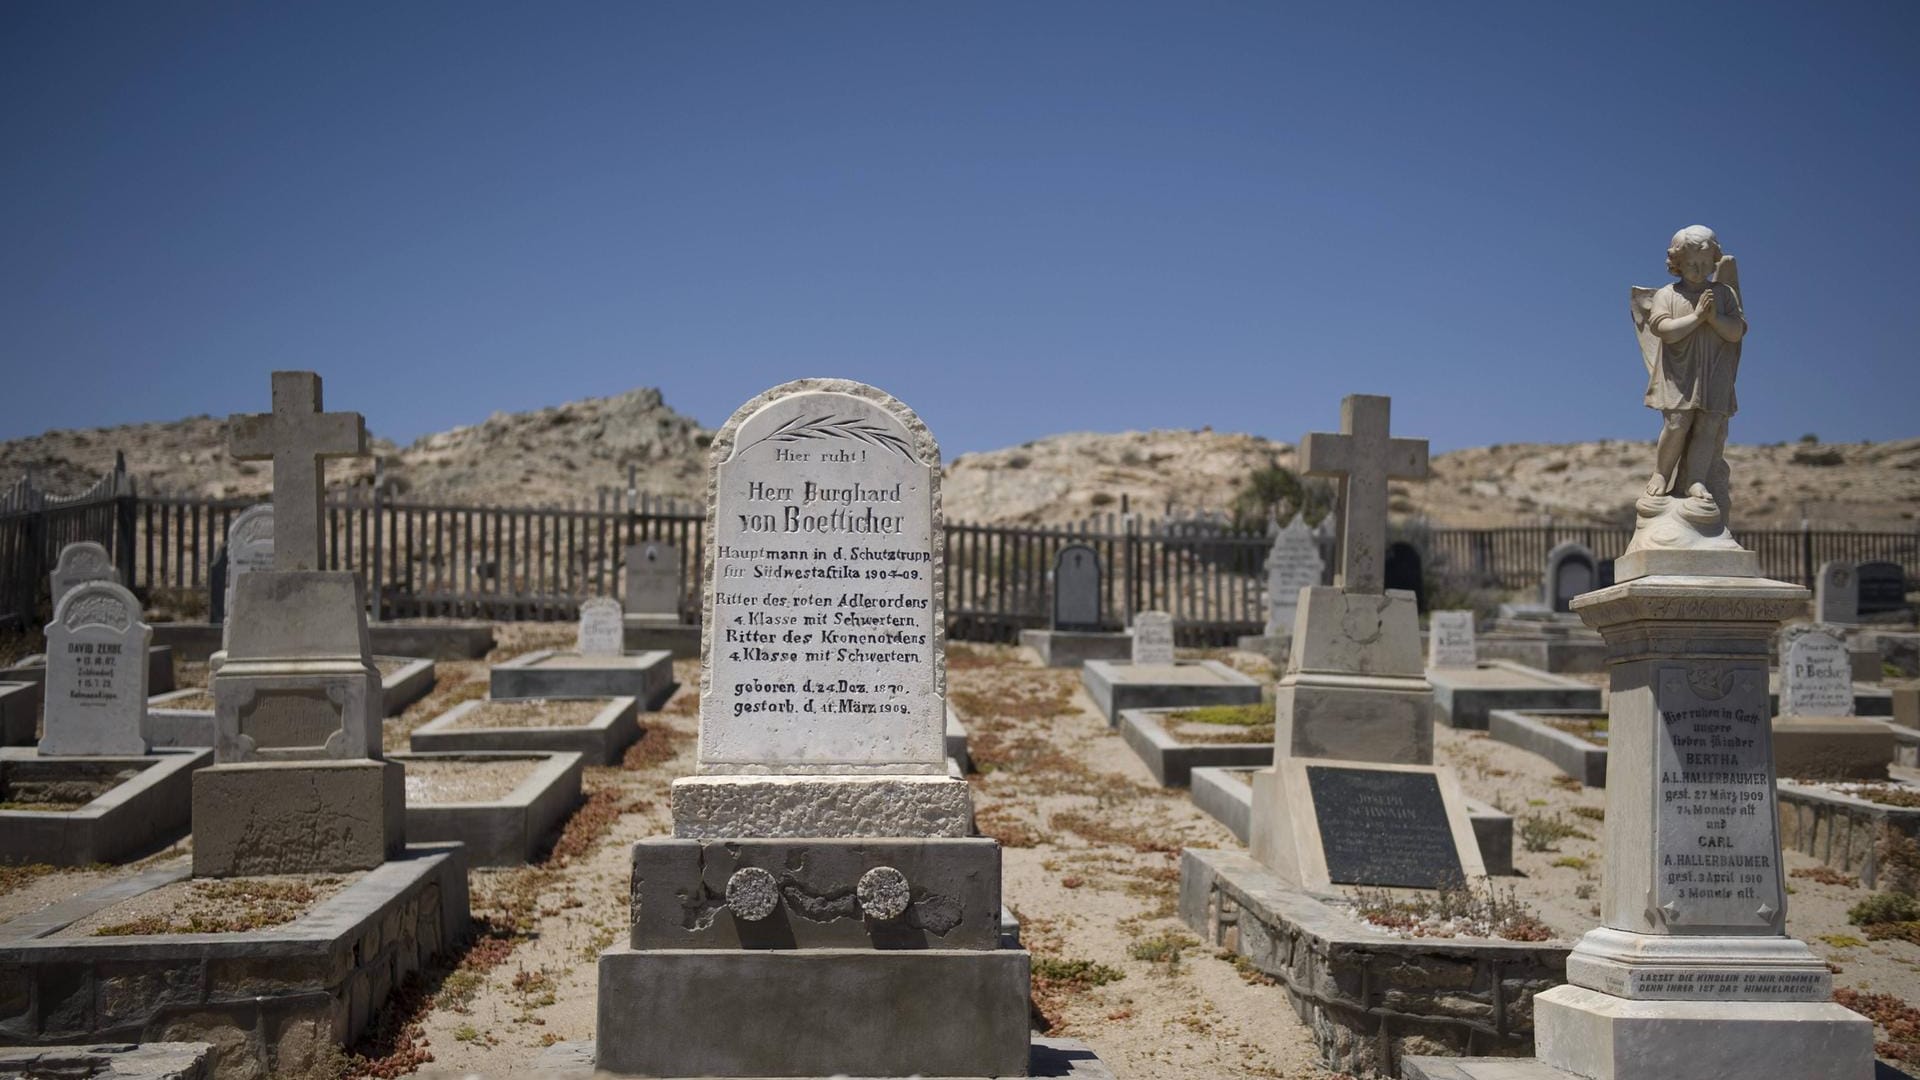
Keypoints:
pixel 403 681
pixel 646 677
pixel 1546 732
pixel 1473 994
pixel 1072 648
pixel 1116 687
pixel 112 1061
pixel 122 807
pixel 431 639
pixel 1842 828
pixel 1171 753
pixel 599 729
pixel 160 675
pixel 1225 793
pixel 506 827
pixel 1463 697
pixel 293 989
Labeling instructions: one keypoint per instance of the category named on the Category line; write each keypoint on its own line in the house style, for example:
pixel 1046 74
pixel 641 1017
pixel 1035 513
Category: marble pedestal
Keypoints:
pixel 1691 972
pixel 1355 686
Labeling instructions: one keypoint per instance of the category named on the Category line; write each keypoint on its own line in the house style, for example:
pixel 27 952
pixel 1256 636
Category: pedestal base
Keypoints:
pixel 1354 718
pixel 1596 1035
pixel 1698 967
pixel 297 817
pixel 813 1012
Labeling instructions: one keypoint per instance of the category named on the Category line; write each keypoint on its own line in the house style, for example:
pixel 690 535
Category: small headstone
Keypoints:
pixel 1571 570
pixel 80 562
pixel 1153 638
pixel 1076 588
pixel 1450 640
pixel 1883 588
pixel 653 579
pixel 1294 563
pixel 1836 594
pixel 249 546
pixel 1816 674
pixel 1384 828
pixel 96 692
pixel 602 629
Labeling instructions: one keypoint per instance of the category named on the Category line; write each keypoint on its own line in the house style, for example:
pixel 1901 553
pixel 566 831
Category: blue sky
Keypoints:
pixel 1020 218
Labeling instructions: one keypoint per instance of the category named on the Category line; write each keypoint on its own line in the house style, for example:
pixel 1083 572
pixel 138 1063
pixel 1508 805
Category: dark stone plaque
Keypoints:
pixel 1883 588
pixel 1384 827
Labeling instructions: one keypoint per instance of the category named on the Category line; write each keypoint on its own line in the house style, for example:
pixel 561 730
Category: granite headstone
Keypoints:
pixel 653 579
pixel 1836 594
pixel 1883 588
pixel 1076 588
pixel 1153 638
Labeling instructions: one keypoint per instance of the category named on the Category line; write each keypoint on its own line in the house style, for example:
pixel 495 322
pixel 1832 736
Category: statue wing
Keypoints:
pixel 1642 308
pixel 1727 272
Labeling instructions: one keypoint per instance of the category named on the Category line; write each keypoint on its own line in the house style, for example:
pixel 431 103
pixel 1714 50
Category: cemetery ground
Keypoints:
pixel 1091 868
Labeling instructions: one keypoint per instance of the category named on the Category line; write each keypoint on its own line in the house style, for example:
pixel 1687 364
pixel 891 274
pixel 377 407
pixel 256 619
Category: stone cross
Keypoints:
pixel 1363 457
pixel 298 437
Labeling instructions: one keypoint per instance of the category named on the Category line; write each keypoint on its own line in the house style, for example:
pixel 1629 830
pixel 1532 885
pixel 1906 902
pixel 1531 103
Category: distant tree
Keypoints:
pixel 1275 491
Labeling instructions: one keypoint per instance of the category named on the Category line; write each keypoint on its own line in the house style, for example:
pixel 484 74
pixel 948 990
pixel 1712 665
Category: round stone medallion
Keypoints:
pixel 752 893
pixel 883 893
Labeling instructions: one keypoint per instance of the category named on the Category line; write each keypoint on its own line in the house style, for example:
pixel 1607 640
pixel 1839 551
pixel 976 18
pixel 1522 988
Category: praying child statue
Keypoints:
pixel 1690 332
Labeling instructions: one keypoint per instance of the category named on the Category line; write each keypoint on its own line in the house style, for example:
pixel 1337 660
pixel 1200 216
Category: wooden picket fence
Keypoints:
pixel 420 559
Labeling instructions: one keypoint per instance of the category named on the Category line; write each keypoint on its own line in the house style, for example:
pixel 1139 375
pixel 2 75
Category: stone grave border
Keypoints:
pixel 159 669
pixel 431 639
pixel 170 728
pixel 153 808
pixel 1171 761
pixel 1048 1056
pixel 641 633
pixel 1584 761
pixel 19 713
pixel 1840 830
pixel 1112 698
pixel 147 1061
pixel 288 990
pixel 511 830
pixel 957 752
pixel 406 686
pixel 1072 648
pixel 1467 708
pixel 647 677
pixel 1222 795
pixel 1475 995
pixel 600 741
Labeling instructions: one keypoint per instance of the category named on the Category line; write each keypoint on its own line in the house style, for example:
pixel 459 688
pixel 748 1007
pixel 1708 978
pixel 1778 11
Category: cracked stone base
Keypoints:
pixel 813 1012
pixel 1596 1035
pixel 297 817
pixel 716 807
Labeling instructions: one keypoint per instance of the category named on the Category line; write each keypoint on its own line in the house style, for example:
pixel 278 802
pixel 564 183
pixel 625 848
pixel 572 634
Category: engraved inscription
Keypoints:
pixel 1384 827
pixel 1716 850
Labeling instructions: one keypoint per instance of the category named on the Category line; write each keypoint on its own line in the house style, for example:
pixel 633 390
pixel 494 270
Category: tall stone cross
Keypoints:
pixel 298 437
pixel 1363 457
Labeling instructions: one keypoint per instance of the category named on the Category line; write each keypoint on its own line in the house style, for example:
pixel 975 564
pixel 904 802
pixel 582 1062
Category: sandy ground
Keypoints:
pixel 1090 868
pixel 534 713
pixel 452 781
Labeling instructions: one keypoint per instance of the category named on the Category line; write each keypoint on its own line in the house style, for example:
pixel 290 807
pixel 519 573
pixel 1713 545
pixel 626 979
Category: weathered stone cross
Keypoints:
pixel 1363 457
pixel 298 437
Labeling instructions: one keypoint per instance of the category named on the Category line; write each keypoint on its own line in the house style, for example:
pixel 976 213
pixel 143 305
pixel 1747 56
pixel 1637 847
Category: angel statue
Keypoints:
pixel 1690 333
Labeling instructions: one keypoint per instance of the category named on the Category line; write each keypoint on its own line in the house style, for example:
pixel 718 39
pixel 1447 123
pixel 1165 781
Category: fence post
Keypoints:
pixel 1806 551
pixel 379 548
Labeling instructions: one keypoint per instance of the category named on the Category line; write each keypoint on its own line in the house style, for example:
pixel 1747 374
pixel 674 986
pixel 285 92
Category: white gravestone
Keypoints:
pixel 96 691
pixel 1153 638
pixel 1293 564
pixel 1836 596
pixel 1816 674
pixel 80 562
pixel 1451 642
pixel 823 635
pixel 602 629
pixel 249 550
pixel 653 579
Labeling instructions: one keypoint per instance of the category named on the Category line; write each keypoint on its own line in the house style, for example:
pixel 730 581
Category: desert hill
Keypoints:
pixel 563 453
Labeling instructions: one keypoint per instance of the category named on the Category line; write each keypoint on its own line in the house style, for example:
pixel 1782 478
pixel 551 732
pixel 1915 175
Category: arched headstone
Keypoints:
pixel 1571 570
pixel 80 562
pixel 653 579
pixel 1076 588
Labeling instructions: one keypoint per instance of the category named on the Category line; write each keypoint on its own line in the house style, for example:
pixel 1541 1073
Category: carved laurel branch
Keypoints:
pixel 833 427
pixel 107 611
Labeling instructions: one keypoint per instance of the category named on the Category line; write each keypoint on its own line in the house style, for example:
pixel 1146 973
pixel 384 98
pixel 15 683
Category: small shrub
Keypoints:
pixel 1541 833
pixel 1571 862
pixel 1884 908
pixel 1819 458
pixel 1591 813
pixel 1163 948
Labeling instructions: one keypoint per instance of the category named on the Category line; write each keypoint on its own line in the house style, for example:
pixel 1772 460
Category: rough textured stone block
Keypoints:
pixel 680 894
pixel 297 817
pixel 713 807
pixel 815 1012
